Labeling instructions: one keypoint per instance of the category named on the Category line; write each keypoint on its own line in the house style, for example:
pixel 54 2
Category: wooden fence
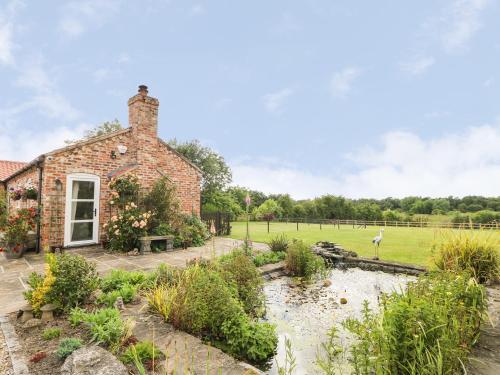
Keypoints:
pixel 387 223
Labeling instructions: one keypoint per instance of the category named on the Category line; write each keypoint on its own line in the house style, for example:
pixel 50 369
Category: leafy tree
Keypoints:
pixel 286 203
pixel 105 128
pixel 216 173
pixel 268 210
pixel 367 211
pixel 222 201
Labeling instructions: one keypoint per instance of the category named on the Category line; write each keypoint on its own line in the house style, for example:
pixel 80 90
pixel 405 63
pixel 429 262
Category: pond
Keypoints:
pixel 305 314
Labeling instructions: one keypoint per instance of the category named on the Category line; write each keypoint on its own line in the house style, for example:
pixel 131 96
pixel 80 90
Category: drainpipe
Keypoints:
pixel 39 204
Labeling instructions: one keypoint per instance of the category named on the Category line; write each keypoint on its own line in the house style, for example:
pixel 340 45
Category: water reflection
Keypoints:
pixel 305 314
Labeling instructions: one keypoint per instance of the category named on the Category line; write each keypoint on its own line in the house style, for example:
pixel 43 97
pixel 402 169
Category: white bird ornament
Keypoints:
pixel 376 242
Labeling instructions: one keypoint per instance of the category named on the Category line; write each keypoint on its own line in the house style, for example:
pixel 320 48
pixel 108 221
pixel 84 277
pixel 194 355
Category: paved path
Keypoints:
pixel 14 273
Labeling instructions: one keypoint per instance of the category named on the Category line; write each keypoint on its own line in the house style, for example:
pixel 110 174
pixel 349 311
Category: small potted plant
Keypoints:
pixel 31 193
pixel 16 232
pixel 16 194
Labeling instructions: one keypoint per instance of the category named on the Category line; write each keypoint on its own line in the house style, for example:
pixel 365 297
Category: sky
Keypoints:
pixel 354 98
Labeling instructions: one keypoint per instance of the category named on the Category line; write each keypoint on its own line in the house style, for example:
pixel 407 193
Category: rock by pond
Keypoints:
pixel 304 314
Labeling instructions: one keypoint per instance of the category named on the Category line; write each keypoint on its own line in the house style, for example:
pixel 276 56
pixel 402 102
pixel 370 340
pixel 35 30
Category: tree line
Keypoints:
pixel 218 196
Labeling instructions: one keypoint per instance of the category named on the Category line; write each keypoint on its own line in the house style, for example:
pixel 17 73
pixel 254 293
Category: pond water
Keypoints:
pixel 305 314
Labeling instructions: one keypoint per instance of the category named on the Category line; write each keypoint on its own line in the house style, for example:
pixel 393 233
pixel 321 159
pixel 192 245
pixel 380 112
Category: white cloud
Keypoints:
pixel 23 144
pixel 80 16
pixel 404 164
pixel 418 65
pixel 6 45
pixel 45 97
pixel 197 9
pixel 462 21
pixel 7 20
pixel 488 82
pixel 101 74
pixel 342 81
pixel 275 101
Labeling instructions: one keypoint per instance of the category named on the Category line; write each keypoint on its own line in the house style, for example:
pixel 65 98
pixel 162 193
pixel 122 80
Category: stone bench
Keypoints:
pixel 146 243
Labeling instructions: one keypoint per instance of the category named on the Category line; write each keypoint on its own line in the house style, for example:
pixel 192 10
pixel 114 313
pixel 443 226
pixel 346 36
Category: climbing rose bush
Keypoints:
pixel 124 229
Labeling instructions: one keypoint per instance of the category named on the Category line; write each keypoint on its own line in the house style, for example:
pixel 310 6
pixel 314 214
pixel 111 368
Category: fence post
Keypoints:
pixel 268 226
pixel 297 225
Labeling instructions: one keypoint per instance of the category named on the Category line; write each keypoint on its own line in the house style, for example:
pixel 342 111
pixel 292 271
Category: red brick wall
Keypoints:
pixel 152 158
pixel 95 159
pixel 18 181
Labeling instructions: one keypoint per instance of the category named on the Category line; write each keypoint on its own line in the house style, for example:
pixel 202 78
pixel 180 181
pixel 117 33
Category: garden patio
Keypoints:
pixel 14 273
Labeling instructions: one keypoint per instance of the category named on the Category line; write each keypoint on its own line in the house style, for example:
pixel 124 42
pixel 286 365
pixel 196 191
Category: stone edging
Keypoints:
pixel 342 261
pixel 19 365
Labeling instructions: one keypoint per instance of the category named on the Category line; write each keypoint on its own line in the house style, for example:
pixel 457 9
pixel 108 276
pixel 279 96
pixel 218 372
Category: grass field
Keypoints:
pixel 405 245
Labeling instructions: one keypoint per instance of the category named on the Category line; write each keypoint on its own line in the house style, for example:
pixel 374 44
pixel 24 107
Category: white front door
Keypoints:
pixel 81 224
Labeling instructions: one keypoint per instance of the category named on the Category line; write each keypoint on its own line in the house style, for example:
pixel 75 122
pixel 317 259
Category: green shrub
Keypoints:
pixel 163 275
pixel 477 254
pixel 192 232
pixel 249 339
pixel 76 316
pixel 51 333
pixel 238 269
pixel 68 282
pixel 268 257
pixel 3 209
pixel 105 325
pixel 429 329
pixel 301 261
pixel 68 346
pixel 278 243
pixel 163 201
pixel 117 279
pixel 126 291
pixel 124 229
pixel 143 351
pixel 204 303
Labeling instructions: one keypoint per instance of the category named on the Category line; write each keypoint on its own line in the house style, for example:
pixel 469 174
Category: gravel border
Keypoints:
pixel 19 365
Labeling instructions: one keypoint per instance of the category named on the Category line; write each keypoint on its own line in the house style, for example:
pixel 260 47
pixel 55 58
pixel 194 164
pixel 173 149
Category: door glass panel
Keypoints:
pixel 82 231
pixel 82 210
pixel 83 190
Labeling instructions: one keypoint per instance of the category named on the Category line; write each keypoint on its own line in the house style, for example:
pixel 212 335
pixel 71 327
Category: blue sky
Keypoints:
pixel 360 98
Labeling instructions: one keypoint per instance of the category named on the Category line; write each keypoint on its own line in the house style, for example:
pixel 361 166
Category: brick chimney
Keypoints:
pixel 143 119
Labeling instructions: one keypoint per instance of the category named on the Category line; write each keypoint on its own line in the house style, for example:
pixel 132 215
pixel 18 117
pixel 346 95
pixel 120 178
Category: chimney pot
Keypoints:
pixel 143 90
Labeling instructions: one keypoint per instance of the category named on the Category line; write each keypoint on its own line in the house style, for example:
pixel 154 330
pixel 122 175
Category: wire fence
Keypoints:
pixel 381 223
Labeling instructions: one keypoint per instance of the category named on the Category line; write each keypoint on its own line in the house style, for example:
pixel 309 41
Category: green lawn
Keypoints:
pixel 406 245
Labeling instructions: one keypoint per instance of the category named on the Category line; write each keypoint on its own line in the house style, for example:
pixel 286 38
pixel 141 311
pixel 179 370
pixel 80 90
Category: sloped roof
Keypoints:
pixel 8 168
pixel 86 142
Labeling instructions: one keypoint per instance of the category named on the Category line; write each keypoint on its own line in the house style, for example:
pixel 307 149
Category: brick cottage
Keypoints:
pixel 73 181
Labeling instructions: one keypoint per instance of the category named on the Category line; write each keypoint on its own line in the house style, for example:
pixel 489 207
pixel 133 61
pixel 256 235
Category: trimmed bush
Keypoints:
pixel 474 253
pixel 301 261
pixel 68 346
